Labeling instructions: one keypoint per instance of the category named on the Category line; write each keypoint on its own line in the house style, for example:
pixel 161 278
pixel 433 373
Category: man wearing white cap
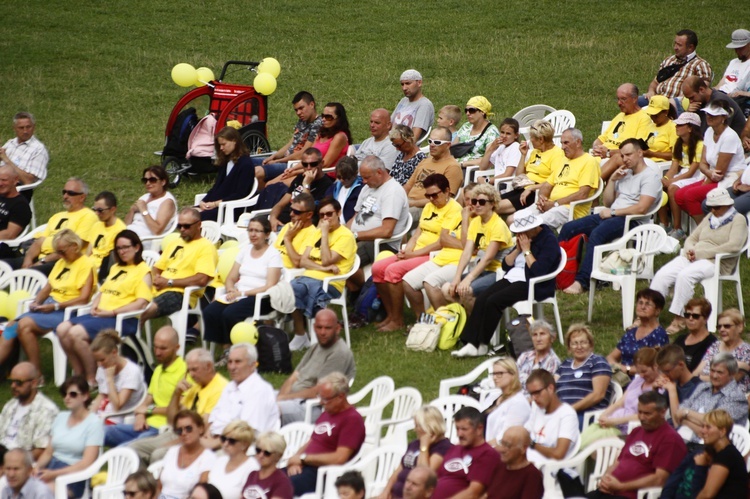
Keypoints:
pixel 414 110
pixel 736 80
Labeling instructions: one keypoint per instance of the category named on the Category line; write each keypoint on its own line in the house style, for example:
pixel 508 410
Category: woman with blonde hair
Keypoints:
pixel 730 325
pixel 269 480
pixel 511 408
pixel 229 472
pixel 427 450
pixel 409 155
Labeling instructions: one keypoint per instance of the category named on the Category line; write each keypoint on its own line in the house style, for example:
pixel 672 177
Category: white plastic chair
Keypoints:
pixel 153 242
pixel 340 301
pixel 406 400
pixel 296 435
pixel 526 306
pixel 120 463
pixel 649 493
pixel 378 389
pixel 27 236
pixel 605 452
pixel 224 214
pixel 211 231
pixel 448 406
pixel 150 257
pixel 483 370
pixel 528 115
pixel 376 468
pixel 5 271
pixel 645 240
pixel 595 195
pixel 395 238
pixel 561 120
pixel 30 187
pixel 741 439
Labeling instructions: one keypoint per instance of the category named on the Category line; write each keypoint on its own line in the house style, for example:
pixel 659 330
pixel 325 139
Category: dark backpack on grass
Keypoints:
pixel 177 141
pixel 368 304
pixel 273 351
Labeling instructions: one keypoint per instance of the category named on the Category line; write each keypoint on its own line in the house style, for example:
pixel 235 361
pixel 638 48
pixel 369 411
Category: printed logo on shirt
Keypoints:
pixel 177 253
pixel 732 78
pixel 61 224
pixel 255 492
pixel 458 464
pixel 119 274
pixel 62 273
pixel 639 448
pixel 369 207
pixel 326 428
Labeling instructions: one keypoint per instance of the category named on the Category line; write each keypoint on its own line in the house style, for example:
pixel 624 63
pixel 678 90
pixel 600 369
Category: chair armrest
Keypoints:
pixel 199 198
pixel 309 404
pixel 591 417
pixel 127 315
pixel 324 479
pixel 76 310
pixel 258 298
pixel 340 277
pixel 228 207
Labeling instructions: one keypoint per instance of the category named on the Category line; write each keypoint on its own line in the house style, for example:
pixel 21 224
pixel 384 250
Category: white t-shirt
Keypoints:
pixel 729 142
pixel 505 156
pixel 375 205
pixel 176 482
pixel 9 440
pixel 230 484
pixel 253 271
pixel 138 225
pixel 513 412
pixel 736 76
pixel 341 198
pixel 545 429
pixel 131 378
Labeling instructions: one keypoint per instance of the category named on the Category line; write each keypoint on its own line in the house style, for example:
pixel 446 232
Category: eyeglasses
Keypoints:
pixel 471 110
pixel 480 202
pixel 19 381
pixel 123 248
pixel 644 303
pixel 62 251
pixel 149 180
pixel 184 429
pixel 499 373
pixel 298 212
pixel 433 195
pixel 186 226
pixel 311 164
pixel 537 392
pixel 725 326
pixel 130 493
pixel 693 316
pixel 579 344
pixel 100 210
pixel 71 193
pixel 266 453
pixel 229 440
pixel 325 400
pixel 435 142
pixel 328 117
pixel 326 214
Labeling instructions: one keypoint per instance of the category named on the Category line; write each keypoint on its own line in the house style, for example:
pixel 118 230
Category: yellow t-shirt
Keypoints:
pixel 570 175
pixel 637 125
pixel 161 388
pixel 103 239
pixel 432 221
pixel 298 243
pixel 482 234
pixel 80 222
pixel 340 241
pixel 67 279
pixel 685 162
pixel 450 256
pixel 124 285
pixel 181 259
pixel 540 164
pixel 203 400
pixel 662 139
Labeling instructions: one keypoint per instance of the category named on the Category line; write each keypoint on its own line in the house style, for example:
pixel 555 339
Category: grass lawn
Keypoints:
pixel 97 77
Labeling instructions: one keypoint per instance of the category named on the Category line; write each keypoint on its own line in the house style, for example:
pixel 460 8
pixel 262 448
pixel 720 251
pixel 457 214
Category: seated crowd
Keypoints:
pixel 333 210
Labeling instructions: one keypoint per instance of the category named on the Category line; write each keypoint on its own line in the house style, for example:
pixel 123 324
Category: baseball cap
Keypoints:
pixel 740 38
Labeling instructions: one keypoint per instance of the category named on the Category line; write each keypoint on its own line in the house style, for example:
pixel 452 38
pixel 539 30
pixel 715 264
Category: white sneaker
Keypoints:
pixel 482 350
pixel 468 350
pixel 299 342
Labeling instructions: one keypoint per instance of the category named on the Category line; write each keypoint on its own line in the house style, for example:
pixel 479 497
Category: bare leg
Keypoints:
pixel 445 291
pixel 299 322
pixel 356 281
pixel 468 302
pixel 82 352
pixel 435 295
pixel 260 177
pixel 395 294
pixel 385 298
pixel 28 333
pixel 151 312
pixel 674 207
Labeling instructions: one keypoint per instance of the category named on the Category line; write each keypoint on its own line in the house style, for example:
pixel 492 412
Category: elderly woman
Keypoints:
pixel 76 437
pixel 427 449
pixel 120 380
pixel 723 231
pixel 478 129
pixel 511 408
pixel 698 339
pixel 71 283
pixel 440 213
pixel 731 325
pixel 409 155
pixel 187 463
pixel 155 211
pixel 542 356
pixel 347 187
pixel 140 485
pixel 613 422
pixel 229 472
pixel 268 480
pixel 536 253
pixel 503 154
pixel 535 170
pixel 647 333
pixel 717 470
pixel 722 161
pixel 583 379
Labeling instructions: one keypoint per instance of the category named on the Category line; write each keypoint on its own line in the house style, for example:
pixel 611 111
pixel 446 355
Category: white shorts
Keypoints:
pixel 430 273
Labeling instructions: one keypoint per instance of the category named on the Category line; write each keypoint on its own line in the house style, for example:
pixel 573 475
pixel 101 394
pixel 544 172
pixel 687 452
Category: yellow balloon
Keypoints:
pixel 204 76
pixel 383 254
pixel 244 332
pixel 229 243
pixel 226 261
pixel 265 84
pixel 14 298
pixel 271 66
pixel 184 74
pixel 4 304
pixel 169 239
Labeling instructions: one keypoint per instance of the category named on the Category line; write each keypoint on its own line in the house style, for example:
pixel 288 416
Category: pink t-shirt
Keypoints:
pixel 343 429
pixel 323 145
pixel 461 466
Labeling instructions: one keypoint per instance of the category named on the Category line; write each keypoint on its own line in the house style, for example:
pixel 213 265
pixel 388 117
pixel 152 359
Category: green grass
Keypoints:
pixel 97 77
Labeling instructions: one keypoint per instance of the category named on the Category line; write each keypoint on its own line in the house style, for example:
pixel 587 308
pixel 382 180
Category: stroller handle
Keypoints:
pixel 237 63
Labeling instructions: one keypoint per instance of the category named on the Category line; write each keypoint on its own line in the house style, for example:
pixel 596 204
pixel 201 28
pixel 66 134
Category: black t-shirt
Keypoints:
pixel 736 484
pixel 318 190
pixel 14 210
pixel 694 353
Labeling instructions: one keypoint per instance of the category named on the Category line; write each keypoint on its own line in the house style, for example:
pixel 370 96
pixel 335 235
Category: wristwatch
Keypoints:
pixel 527 253
pixel 612 212
pixel 302 457
pixel 532 444
pixel 170 283
pixel 306 187
pixel 556 205
pixel 144 212
pixel 424 449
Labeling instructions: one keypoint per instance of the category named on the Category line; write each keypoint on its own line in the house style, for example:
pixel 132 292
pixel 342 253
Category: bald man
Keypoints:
pixel 26 420
pixel 516 477
pixel 152 413
pixel 15 213
pixel 379 144
pixel 420 483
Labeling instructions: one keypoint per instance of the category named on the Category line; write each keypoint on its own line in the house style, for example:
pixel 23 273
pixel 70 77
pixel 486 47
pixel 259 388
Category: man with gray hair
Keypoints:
pixel 720 392
pixel 25 153
pixel 15 213
pixel 572 179
pixel 379 143
pixel 414 110
pixel 19 470
pixel 77 217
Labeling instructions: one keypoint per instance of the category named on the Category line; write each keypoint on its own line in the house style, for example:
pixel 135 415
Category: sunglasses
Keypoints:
pixel 185 429
pixel 149 180
pixel 480 202
pixel 130 493
pixel 186 226
pixel 724 326
pixel 19 381
pixel 71 193
pixel 100 210
pixel 432 196
pixel 123 248
pixel 298 212
pixel 329 117
pixel 326 214
pixel 266 453
pixel 693 316
pixel 311 164
pixel 72 395
pixel 435 142
pixel 229 440
pixel 471 110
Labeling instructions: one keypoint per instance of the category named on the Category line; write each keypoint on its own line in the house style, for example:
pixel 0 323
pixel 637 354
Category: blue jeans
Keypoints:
pixel 309 296
pixel 306 481
pixel 119 434
pixel 271 170
pixel 599 231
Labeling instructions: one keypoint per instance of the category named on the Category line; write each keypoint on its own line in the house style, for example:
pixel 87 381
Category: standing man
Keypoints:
pixel 15 213
pixel 19 471
pixel 305 132
pixel 379 143
pixel 103 232
pixel 414 110
pixel 25 153
pixel 469 467
pixel 516 477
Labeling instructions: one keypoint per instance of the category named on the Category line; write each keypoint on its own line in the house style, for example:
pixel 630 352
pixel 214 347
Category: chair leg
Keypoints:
pixel 711 293
pixel 59 359
pixel 740 305
pixel 558 322
pixel 592 288
pixel 345 316
pixel 628 302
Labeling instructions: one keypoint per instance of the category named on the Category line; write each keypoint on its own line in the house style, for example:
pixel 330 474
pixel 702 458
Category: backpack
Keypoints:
pixel 518 332
pixel 574 252
pixel 453 319
pixel 368 304
pixel 177 140
pixel 273 350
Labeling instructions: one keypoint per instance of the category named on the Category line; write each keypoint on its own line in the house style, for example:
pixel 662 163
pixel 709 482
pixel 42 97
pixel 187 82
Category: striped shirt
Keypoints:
pixel 30 156
pixel 575 383
pixel 672 87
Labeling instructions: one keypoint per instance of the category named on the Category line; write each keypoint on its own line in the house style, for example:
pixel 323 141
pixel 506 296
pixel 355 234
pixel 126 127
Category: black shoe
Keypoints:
pixel 192 336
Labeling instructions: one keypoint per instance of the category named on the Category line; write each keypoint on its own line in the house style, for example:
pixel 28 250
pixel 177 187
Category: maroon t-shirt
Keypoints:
pixel 344 429
pixel 524 483
pixel 645 451
pixel 276 485
pixel 461 466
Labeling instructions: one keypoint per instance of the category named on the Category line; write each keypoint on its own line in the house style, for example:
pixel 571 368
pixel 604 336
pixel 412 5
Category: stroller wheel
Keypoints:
pixel 256 142
pixel 175 168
